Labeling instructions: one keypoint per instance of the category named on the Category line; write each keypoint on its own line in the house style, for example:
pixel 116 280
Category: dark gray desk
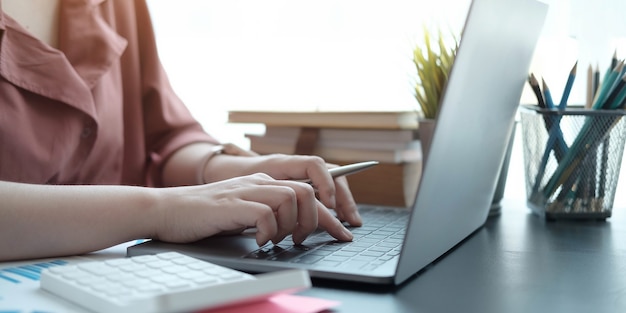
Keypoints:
pixel 516 263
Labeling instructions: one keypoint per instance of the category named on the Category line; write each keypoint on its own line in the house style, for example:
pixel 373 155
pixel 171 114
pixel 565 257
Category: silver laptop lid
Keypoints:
pixel 472 128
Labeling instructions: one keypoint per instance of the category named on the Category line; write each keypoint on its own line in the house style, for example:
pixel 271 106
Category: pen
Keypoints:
pixel 347 169
pixel 351 168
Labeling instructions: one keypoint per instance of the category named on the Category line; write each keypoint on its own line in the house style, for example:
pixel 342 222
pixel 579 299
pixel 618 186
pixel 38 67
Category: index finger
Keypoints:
pixel 307 215
pixel 346 209
pixel 323 182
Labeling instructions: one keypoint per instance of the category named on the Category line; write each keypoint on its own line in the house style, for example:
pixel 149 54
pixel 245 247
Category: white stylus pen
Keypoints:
pixel 351 168
pixel 348 169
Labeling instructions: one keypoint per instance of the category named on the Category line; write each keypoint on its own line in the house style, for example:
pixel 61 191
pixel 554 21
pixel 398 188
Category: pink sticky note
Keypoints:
pixel 284 303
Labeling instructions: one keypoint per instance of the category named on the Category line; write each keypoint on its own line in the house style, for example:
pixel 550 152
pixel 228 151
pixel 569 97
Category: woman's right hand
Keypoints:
pixel 276 208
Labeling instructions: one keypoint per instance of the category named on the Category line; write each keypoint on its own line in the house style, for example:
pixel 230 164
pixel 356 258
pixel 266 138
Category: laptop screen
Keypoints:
pixel 472 127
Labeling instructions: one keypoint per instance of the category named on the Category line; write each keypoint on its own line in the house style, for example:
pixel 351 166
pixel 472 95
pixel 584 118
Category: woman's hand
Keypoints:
pixel 284 171
pixel 333 193
pixel 275 207
pixel 43 220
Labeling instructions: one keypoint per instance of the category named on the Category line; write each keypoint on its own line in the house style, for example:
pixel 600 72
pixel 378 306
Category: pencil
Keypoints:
pixel 589 98
pixel 534 84
pixel 615 96
pixel 596 81
pixel 561 146
pixel 614 59
pixel 588 139
pixel 555 135
pixel 568 87
pixel 547 95
pixel 607 85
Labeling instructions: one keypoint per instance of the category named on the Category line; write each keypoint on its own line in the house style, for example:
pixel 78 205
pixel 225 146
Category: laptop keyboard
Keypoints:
pixel 378 241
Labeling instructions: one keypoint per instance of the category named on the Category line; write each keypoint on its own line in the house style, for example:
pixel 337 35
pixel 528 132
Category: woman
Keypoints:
pixel 89 126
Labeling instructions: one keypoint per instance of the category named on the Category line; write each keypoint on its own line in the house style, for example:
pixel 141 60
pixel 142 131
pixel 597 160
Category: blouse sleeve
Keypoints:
pixel 168 124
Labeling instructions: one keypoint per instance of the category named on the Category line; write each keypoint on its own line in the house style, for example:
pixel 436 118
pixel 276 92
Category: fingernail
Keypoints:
pixel 347 234
pixel 297 238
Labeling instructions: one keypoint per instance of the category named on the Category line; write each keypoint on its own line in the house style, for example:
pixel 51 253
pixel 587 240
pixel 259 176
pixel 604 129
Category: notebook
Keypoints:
pixel 457 184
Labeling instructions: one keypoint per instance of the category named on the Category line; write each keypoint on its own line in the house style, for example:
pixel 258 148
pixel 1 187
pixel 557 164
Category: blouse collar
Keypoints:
pixel 88 47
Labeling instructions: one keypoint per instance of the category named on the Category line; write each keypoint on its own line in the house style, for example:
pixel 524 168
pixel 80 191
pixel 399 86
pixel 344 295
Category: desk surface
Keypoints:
pixel 517 262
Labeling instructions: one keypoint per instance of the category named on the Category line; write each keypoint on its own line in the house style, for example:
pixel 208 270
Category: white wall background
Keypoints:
pixel 343 54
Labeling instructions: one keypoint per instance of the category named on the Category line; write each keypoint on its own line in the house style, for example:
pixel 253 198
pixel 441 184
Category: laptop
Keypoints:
pixel 457 184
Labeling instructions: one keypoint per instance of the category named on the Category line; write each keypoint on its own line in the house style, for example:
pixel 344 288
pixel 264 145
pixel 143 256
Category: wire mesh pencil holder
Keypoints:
pixel 572 160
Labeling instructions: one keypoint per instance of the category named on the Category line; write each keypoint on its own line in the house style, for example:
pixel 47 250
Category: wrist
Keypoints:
pixel 205 169
pixel 201 171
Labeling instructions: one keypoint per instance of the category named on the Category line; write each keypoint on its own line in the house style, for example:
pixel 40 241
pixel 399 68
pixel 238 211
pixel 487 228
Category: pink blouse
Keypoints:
pixel 99 110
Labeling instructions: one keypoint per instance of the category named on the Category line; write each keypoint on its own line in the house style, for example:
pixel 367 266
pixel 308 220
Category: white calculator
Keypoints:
pixel 165 282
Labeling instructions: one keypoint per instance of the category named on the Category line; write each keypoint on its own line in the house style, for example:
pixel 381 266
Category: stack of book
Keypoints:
pixel 348 137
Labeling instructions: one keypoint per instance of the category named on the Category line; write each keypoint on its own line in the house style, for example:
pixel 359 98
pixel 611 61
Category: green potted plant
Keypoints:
pixel 433 60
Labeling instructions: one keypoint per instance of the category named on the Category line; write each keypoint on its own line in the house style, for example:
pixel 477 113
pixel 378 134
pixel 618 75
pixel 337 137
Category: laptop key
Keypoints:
pixel 352 249
pixel 336 258
pixel 364 258
pixel 261 254
pixel 387 244
pixel 331 247
pixel 372 253
pixel 324 263
pixel 320 252
pixel 345 253
pixel 379 249
pixel 354 264
pixel 370 267
pixel 290 254
pixel 371 244
pixel 308 259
